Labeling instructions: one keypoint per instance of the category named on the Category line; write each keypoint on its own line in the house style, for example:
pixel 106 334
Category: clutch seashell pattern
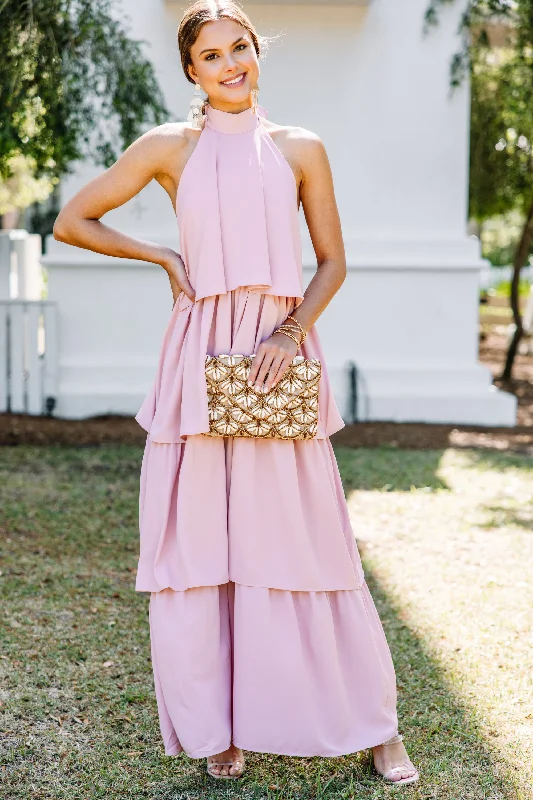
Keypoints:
pixel 288 410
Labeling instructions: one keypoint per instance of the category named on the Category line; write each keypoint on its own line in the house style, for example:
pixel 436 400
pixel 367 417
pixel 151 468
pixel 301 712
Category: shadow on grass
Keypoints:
pixel 500 461
pixel 78 696
pixel 501 517
pixel 389 469
pixel 441 733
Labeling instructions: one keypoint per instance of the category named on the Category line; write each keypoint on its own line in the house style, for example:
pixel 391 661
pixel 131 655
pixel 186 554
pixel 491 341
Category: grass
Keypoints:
pixel 447 544
pixel 503 289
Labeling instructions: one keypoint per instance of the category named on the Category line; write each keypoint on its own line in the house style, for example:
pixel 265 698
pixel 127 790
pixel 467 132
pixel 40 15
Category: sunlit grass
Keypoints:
pixel 447 541
pixel 458 563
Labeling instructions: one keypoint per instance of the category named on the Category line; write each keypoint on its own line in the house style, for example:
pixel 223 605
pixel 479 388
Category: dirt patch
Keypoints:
pixel 18 429
pixel 419 436
pixel 109 429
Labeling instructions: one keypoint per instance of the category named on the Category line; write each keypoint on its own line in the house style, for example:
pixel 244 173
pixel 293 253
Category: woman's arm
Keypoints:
pixel 320 208
pixel 78 222
pixel 322 216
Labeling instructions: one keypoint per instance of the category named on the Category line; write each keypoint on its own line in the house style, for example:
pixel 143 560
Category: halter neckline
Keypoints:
pixel 226 122
pixel 237 212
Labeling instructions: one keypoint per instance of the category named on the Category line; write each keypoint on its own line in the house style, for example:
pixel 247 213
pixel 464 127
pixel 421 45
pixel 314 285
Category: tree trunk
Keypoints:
pixel 520 258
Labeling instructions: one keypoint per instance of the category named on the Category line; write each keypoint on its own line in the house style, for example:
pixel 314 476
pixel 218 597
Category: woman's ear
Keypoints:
pixel 192 73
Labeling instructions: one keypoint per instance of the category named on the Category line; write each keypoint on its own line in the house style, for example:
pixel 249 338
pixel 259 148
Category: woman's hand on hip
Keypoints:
pixel 272 358
pixel 177 275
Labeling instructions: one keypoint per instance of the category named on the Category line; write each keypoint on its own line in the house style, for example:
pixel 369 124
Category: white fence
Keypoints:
pixel 28 329
pixel 28 356
pixel 20 265
pixel 490 277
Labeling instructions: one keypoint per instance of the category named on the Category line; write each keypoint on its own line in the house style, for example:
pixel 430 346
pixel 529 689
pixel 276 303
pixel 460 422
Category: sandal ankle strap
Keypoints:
pixel 395 739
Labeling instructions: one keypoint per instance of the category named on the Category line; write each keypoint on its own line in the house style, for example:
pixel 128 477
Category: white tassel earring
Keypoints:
pixel 196 112
pixel 255 96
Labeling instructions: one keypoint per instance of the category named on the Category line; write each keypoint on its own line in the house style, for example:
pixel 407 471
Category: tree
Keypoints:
pixel 22 189
pixel 497 56
pixel 73 84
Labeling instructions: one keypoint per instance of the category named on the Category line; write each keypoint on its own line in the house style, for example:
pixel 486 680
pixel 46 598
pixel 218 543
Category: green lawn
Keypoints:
pixel 447 542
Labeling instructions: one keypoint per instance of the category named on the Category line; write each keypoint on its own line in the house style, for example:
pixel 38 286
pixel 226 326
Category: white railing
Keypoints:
pixel 28 356
pixel 491 277
pixel 20 265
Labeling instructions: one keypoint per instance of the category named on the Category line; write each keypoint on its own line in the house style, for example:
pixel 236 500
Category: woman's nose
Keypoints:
pixel 231 62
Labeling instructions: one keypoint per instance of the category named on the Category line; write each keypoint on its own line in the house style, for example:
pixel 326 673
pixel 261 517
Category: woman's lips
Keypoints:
pixel 235 82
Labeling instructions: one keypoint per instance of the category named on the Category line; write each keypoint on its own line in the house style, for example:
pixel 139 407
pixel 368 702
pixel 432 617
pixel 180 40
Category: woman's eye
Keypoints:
pixel 212 56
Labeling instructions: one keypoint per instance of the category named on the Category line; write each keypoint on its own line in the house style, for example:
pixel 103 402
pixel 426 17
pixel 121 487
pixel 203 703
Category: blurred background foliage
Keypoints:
pixel 73 85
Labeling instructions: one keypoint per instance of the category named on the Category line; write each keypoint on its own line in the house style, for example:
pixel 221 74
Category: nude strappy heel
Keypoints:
pixel 389 776
pixel 238 764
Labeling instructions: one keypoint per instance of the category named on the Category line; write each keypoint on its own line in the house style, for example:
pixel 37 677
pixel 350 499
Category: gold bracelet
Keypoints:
pixel 289 328
pixel 292 330
pixel 286 333
pixel 301 333
pixel 304 332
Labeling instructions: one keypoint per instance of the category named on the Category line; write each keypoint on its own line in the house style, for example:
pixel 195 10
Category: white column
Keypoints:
pixel 20 265
pixel 5 265
pixel 377 91
pixel 28 251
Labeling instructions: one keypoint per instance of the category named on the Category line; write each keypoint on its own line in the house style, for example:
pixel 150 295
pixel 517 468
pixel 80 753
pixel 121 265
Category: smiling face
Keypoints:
pixel 224 63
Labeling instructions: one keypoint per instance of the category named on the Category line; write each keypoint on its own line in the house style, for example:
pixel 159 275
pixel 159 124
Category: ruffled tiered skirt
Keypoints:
pixel 263 631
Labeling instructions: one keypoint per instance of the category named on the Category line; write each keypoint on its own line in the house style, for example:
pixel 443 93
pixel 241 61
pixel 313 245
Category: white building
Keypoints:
pixel 365 78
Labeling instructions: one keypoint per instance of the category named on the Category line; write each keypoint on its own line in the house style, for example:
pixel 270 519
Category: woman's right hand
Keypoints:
pixel 177 275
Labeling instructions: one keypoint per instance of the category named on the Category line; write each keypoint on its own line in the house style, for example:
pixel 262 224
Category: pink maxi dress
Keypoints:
pixel 263 630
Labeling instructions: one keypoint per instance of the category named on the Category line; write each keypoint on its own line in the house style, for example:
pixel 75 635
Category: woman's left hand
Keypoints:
pixel 272 358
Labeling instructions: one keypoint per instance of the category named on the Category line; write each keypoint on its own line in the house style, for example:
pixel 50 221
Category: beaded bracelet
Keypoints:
pixel 292 329
pixel 286 333
pixel 303 332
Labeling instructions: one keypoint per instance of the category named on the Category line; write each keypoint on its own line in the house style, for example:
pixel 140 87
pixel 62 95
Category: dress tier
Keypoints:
pixel 263 631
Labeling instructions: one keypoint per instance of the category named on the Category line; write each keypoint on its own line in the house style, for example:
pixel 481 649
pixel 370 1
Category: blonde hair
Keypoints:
pixel 209 11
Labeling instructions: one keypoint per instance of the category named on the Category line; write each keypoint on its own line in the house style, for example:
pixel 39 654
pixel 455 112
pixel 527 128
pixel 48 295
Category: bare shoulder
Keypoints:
pixel 171 131
pixel 163 145
pixel 304 146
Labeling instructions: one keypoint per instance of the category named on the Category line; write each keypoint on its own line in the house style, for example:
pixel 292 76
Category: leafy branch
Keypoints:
pixel 73 85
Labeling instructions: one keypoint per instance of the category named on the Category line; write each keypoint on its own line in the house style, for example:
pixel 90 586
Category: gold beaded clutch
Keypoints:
pixel 288 410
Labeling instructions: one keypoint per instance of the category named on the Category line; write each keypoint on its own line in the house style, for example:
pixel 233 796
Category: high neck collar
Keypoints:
pixel 226 122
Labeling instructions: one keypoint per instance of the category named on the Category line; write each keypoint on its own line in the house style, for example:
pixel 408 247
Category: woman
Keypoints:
pixel 264 635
